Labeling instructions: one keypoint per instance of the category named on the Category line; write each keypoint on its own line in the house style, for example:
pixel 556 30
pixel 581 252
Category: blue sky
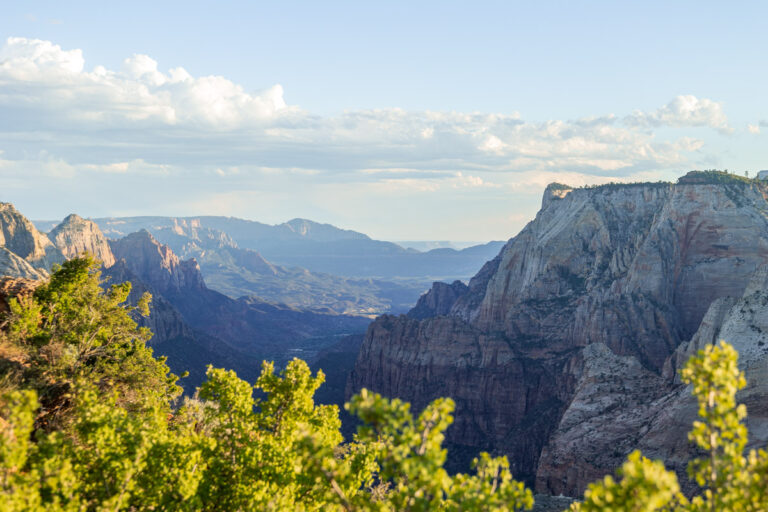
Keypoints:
pixel 404 120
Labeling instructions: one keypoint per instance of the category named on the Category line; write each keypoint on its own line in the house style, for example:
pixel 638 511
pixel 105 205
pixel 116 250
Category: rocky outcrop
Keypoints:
pixel 613 405
pixel 19 236
pixel 556 352
pixel 438 301
pixel 11 287
pixel 157 264
pixel 76 235
pixel 742 322
pixel 12 265
pixel 554 191
pixel 165 321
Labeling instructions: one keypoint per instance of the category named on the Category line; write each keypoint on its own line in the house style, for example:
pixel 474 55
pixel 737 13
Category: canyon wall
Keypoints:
pixel 561 351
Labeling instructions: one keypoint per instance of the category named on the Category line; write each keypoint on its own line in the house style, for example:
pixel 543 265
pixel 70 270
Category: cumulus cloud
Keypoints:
pixel 198 137
pixel 56 81
pixel 685 111
pixel 172 119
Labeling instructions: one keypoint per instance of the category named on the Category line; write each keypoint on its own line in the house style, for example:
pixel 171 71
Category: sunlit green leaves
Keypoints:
pixel 89 421
pixel 643 486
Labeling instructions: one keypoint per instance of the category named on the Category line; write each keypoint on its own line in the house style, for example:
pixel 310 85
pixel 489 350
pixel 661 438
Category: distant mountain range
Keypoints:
pixel 229 292
pixel 193 325
pixel 303 263
pixel 428 245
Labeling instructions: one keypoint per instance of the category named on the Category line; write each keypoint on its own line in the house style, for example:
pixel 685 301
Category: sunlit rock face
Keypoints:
pixel 19 236
pixel 157 264
pixel 556 351
pixel 76 235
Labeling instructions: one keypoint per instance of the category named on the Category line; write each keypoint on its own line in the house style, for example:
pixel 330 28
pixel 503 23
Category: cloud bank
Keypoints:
pixel 207 137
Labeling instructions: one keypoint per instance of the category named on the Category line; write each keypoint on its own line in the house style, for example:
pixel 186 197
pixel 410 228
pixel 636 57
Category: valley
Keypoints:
pixel 561 352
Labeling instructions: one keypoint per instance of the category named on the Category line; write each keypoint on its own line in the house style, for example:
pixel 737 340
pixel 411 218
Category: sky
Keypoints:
pixel 403 120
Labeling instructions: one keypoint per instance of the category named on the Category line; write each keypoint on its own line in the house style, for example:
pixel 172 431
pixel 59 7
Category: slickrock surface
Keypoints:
pixel 561 352
pixel 76 235
pixel 743 323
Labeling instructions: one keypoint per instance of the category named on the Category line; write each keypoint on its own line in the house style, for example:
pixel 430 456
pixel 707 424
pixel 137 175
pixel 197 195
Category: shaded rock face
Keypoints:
pixel 76 235
pixel 157 264
pixel 241 332
pixel 556 351
pixel 641 410
pixel 438 301
pixel 19 236
pixel 164 320
pixel 12 265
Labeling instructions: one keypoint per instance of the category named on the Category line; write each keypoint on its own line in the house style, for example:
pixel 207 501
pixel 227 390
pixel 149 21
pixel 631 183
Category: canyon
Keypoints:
pixel 562 351
pixel 193 325
pixel 301 263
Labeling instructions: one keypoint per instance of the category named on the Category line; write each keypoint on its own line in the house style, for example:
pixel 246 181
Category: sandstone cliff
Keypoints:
pixel 438 301
pixel 157 264
pixel 12 265
pixel 249 325
pixel 76 235
pixel 556 352
pixel 19 236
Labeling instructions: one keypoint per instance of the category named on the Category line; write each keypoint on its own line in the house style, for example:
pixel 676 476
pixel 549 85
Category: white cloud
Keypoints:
pixel 194 138
pixel 492 144
pixel 175 120
pixel 56 80
pixel 682 111
pixel 35 60
pixel 134 167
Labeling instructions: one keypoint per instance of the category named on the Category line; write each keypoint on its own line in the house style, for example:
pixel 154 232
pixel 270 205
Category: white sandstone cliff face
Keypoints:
pixel 680 247
pixel 561 351
pixel 76 235
pixel 743 323
pixel 19 236
pixel 12 265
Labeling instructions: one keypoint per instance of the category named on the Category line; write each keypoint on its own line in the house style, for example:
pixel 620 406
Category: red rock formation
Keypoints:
pixel 156 263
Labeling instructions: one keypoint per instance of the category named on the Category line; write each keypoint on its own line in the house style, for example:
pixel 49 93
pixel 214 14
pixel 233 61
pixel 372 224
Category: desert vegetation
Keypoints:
pixel 90 420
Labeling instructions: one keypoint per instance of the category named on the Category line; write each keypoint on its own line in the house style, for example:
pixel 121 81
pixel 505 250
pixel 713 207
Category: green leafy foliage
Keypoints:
pixel 89 420
pixel 644 486
pixel 71 330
